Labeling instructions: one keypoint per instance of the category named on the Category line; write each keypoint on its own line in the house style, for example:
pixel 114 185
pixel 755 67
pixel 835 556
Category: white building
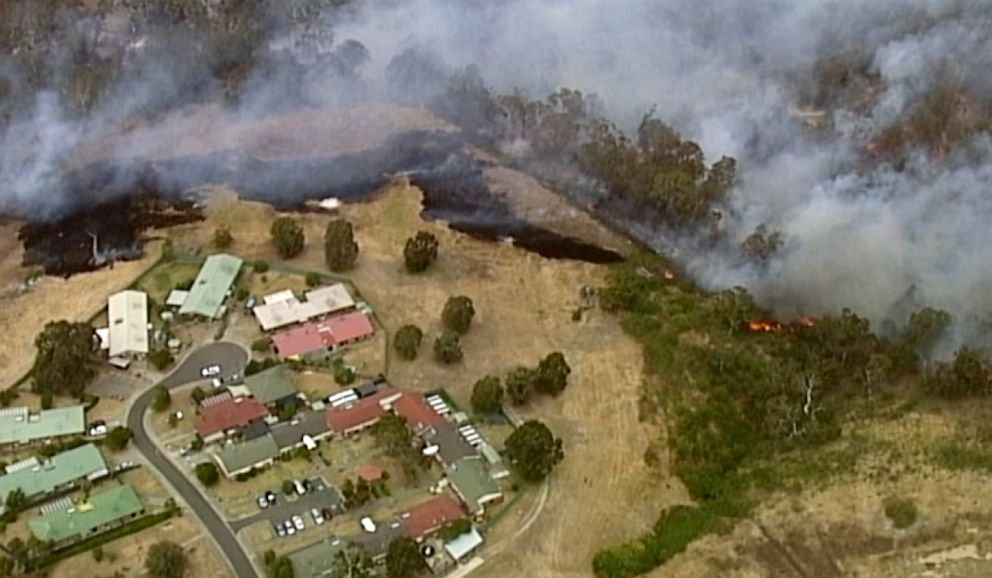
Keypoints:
pixel 127 315
pixel 283 308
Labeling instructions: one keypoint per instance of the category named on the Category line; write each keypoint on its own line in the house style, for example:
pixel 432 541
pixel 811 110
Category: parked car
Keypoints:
pixel 262 502
pixel 217 382
pixel 270 497
pixel 368 525
pixel 289 528
pixel 300 488
pixel 280 530
pixel 298 522
pixel 98 430
pixel 317 517
pixel 210 371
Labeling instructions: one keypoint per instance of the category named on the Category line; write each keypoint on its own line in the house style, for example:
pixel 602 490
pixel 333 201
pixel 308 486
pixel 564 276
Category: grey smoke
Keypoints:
pixel 726 73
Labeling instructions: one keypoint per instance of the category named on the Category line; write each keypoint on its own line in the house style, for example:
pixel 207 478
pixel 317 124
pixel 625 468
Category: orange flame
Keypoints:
pixel 670 275
pixel 764 326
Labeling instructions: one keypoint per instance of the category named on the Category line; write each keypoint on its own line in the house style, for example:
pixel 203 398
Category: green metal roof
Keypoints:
pixel 18 424
pixel 87 516
pixel 271 385
pixel 316 560
pixel 62 468
pixel 472 482
pixel 236 457
pixel 211 285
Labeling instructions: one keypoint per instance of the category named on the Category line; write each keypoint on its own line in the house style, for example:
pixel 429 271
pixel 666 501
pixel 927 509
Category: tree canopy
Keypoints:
pixel 448 348
pixel 222 238
pixel 207 473
pixel 420 251
pixel 163 399
pixel 166 559
pixel 61 365
pixel 287 237
pixel 967 376
pixel 534 450
pixel 403 559
pixel 407 341
pixel 117 439
pixel 458 313
pixel 487 395
pixel 552 374
pixel 340 248
pixel 520 384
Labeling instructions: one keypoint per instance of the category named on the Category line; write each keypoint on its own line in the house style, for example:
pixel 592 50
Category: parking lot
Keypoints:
pixel 115 384
pixel 322 495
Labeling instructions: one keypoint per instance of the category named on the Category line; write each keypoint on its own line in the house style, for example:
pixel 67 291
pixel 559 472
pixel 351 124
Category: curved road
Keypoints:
pixel 232 358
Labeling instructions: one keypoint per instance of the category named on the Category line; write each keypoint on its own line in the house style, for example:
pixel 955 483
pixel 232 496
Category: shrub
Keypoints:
pixel 448 348
pixel 242 293
pixel 344 375
pixel 207 473
pixel 260 266
pixel 163 399
pixel 407 341
pixel 261 345
pixel 160 359
pixel 222 238
pixel 314 279
pixel 901 512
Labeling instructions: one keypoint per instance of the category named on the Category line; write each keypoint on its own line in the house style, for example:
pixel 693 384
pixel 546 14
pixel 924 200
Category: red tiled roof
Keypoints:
pixel 424 519
pixel 417 413
pixel 370 473
pixel 228 414
pixel 364 411
pixel 348 327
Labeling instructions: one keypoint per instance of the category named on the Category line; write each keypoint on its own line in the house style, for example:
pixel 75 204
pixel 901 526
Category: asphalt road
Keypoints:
pixel 232 358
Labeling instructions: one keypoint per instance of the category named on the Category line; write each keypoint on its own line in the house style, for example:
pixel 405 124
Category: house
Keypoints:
pixel 419 416
pixel 62 471
pixel 211 286
pixel 127 316
pixel 317 560
pixel 375 544
pixel 428 517
pixel 224 415
pixel 471 481
pixel 450 443
pixel 463 545
pixel 19 426
pixel 76 521
pixel 283 309
pixel 319 336
pixel 272 387
pixel 363 413
pixel 239 458
pixel 305 425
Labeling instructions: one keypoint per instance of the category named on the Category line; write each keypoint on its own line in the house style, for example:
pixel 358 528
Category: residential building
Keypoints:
pixel 306 424
pixel 127 318
pixel 283 309
pixel 317 560
pixel 224 415
pixel 272 387
pixel 376 544
pixel 206 296
pixel 463 545
pixel 418 415
pixel 239 458
pixel 363 413
pixel 86 518
pixel 19 426
pixel 471 481
pixel 320 336
pixel 62 471
pixel 450 443
pixel 428 517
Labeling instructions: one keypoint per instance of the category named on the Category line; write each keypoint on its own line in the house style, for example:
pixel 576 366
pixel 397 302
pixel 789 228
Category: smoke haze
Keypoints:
pixel 882 238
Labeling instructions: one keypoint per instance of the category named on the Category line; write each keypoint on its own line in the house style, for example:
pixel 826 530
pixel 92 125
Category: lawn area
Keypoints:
pixel 261 284
pixel 166 277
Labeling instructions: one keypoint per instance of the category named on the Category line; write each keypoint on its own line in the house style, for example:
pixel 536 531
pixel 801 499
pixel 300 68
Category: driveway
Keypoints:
pixel 231 358
pixel 235 358
pixel 326 497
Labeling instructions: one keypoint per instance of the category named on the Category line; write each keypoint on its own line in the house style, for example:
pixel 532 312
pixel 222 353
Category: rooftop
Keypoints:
pixel 271 385
pixel 18 425
pixel 349 327
pixel 318 335
pixel 229 414
pixel 376 543
pixel 428 517
pixel 211 285
pixel 366 410
pixel 283 308
pixel 472 482
pixel 451 445
pixel 127 315
pixel 83 517
pixel 62 468
pixel 176 298
pixel 311 423
pixel 464 545
pixel 237 457
pixel 418 415
pixel 316 560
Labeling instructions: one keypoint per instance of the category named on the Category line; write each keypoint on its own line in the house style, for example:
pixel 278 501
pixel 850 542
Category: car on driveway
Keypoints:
pixel 270 497
pixel 262 502
pixel 298 522
pixel 210 371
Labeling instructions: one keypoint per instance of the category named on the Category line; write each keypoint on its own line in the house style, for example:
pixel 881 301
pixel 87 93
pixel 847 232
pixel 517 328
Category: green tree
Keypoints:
pixel 448 348
pixel 261 345
pixel 260 266
pixel 288 488
pixel 967 376
pixel 62 363
pixel 117 439
pixel 162 401
pixel 520 384
pixel 552 374
pixel 534 450
pixel 280 567
pixel 487 395
pixel 351 562
pixel 287 237
pixel 197 395
pixel 407 341
pixel 314 279
pixel 403 559
pixel 166 559
pixel 458 313
pixel 455 529
pixel 222 238
pixel 420 251
pixel 926 327
pixel 392 434
pixel 14 500
pixel 340 248
pixel 207 473
pixel 47 400
pixel 160 359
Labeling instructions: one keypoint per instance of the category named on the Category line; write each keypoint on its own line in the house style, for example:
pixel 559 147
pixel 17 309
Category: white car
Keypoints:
pixel 298 522
pixel 290 529
pixel 210 371
pixel 318 518
pixel 262 502
pixel 368 525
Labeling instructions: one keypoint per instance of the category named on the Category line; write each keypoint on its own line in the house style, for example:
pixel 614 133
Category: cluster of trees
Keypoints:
pixel 550 377
pixel 62 365
pixel 403 559
pixel 166 559
pixel 357 494
pixel 393 436
pixel 23 555
pixel 456 318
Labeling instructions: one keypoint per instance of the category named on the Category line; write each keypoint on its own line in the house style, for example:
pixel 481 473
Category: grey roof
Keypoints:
pixel 375 545
pixel 255 429
pixel 271 385
pixel 366 389
pixel 451 445
pixel 18 424
pixel 311 423
pixel 236 457
pixel 211 285
pixel 316 560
